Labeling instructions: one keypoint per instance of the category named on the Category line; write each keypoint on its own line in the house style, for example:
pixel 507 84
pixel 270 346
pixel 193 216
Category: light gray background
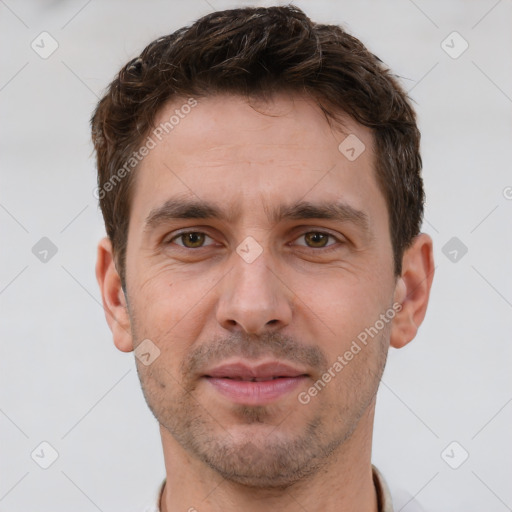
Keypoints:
pixel 64 382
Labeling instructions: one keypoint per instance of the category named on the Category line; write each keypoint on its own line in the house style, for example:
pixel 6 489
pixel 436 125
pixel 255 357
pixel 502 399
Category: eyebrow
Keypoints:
pixel 176 208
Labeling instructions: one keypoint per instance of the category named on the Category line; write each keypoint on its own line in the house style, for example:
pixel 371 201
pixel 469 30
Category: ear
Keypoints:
pixel 413 290
pixel 112 294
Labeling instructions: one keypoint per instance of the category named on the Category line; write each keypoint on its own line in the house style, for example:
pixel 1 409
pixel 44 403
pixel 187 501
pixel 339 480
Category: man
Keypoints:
pixel 259 178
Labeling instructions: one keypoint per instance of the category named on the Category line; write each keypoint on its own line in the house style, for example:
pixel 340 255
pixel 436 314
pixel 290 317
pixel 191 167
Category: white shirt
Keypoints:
pixel 383 494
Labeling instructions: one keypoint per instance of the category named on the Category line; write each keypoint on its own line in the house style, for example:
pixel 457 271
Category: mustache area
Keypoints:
pixel 269 345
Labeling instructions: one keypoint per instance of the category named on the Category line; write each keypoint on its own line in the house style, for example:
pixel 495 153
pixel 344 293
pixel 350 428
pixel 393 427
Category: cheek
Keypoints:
pixel 169 311
pixel 344 305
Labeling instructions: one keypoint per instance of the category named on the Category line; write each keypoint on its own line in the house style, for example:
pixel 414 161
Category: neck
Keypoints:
pixel 344 482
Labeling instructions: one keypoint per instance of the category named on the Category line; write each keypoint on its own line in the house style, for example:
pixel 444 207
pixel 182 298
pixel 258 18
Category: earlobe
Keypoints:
pixel 112 294
pixel 412 290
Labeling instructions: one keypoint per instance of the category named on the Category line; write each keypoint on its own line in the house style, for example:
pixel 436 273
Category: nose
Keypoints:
pixel 254 298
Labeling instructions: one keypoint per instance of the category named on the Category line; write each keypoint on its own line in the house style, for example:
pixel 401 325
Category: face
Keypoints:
pixel 258 254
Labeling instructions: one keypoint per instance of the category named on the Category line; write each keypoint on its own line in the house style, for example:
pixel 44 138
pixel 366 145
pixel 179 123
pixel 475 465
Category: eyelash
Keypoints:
pixel 324 249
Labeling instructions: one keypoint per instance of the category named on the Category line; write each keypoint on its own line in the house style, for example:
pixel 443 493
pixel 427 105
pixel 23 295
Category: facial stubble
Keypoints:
pixel 275 451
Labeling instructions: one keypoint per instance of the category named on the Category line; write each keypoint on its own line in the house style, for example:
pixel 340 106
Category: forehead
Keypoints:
pixel 228 149
pixel 224 120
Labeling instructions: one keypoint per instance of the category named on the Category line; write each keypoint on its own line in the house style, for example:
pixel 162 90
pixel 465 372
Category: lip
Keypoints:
pixel 237 381
pixel 244 371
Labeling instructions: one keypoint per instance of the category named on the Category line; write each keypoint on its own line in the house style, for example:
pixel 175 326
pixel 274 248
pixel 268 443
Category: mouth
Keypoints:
pixel 253 379
pixel 261 384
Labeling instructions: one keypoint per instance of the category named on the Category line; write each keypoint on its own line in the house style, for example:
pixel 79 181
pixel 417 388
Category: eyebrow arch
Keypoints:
pixel 184 209
pixel 197 209
pixel 336 211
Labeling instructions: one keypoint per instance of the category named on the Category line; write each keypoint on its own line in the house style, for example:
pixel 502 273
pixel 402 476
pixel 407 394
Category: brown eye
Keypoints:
pixel 190 239
pixel 316 239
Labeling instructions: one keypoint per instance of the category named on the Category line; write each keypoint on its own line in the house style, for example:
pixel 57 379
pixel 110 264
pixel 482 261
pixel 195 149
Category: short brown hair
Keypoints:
pixel 255 52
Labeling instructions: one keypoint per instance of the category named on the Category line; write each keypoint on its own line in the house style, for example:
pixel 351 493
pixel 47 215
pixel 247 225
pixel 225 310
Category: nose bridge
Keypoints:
pixel 252 297
pixel 253 270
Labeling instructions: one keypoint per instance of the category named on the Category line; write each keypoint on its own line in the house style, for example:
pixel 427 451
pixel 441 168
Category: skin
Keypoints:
pixel 303 300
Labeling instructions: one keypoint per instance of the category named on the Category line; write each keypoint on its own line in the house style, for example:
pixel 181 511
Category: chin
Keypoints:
pixel 262 460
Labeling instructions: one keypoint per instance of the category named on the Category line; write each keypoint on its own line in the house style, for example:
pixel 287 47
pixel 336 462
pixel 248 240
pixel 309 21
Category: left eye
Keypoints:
pixel 191 239
pixel 316 239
